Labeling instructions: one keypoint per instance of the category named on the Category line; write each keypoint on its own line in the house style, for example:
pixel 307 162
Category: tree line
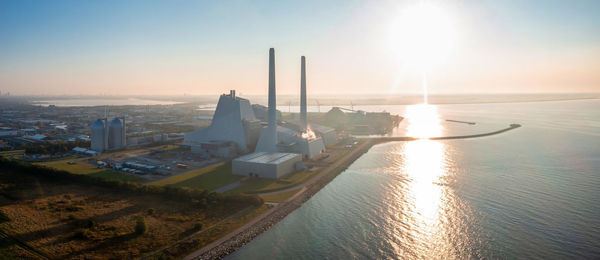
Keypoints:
pixel 199 197
pixel 53 148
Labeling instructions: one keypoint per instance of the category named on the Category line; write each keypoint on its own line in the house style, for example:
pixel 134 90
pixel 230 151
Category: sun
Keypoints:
pixel 422 35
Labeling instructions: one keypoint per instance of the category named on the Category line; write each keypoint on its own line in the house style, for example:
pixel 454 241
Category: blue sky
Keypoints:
pixel 208 47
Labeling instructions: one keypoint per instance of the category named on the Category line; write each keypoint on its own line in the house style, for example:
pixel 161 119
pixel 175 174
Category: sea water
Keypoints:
pixel 532 192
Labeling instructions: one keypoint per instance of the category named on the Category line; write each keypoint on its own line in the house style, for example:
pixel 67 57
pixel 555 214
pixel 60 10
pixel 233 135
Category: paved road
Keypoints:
pixel 229 187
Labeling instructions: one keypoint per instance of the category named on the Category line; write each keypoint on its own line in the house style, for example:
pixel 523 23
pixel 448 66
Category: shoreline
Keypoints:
pixel 244 235
pixel 338 102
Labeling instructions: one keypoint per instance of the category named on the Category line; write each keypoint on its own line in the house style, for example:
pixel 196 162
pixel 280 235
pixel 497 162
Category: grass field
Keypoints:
pixel 262 185
pixel 186 176
pixel 211 180
pixel 75 167
pixel 88 169
pixel 279 197
pixel 212 233
pixel 73 221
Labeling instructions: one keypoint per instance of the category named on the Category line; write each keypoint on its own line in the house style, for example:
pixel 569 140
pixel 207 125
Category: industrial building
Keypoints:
pixel 266 165
pixel 107 136
pixel 282 139
pixel 261 112
pixel 328 134
pixel 293 141
pixel 277 149
pixel 233 122
pixel 267 161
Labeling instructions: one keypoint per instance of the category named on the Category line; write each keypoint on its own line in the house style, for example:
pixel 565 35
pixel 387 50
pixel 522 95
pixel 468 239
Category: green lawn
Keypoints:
pixel 212 180
pixel 75 168
pixel 110 175
pixel 88 169
pixel 261 185
pixel 186 176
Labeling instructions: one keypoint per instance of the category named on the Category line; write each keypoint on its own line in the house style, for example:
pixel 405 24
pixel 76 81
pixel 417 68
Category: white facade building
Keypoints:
pixel 266 165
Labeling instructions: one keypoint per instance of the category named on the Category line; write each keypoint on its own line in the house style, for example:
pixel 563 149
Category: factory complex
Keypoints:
pixel 108 136
pixel 279 147
pixel 257 139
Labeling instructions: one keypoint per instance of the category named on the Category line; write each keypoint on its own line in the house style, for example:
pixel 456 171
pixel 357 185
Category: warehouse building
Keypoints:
pixel 266 165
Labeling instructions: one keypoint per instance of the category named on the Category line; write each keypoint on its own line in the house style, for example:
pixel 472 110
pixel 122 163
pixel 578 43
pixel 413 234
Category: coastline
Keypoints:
pixel 242 236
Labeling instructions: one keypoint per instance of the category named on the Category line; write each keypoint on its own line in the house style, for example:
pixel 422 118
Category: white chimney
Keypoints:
pixel 272 100
pixel 303 119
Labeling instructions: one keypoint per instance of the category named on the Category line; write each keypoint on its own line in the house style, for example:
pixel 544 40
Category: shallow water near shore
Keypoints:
pixel 528 193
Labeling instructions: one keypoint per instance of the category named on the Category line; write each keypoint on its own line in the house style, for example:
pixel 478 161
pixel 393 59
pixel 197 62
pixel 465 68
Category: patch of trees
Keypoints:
pixel 53 148
pixel 199 197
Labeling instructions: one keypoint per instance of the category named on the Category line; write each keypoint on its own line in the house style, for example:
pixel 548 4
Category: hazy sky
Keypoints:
pixel 209 47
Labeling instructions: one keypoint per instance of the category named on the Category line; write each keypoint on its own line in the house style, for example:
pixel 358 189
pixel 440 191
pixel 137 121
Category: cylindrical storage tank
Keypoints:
pixel 132 141
pixel 115 132
pixel 97 135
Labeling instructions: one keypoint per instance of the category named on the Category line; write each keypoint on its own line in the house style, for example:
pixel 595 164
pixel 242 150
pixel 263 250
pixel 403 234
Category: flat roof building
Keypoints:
pixel 266 165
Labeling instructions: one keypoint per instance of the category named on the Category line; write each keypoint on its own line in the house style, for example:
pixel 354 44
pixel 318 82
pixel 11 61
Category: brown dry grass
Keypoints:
pixel 47 216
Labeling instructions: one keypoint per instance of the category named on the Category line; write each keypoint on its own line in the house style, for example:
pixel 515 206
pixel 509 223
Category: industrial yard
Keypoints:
pixel 224 164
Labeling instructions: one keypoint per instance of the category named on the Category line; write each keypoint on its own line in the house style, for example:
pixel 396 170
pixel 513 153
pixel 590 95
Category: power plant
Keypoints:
pixel 234 129
pixel 108 136
pixel 268 136
pixel 277 149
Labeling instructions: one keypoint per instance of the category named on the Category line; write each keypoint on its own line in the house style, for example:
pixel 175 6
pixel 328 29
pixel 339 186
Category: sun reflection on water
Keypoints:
pixel 423 121
pixel 424 166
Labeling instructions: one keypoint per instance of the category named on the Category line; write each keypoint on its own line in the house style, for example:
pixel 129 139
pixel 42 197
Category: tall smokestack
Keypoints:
pixel 272 100
pixel 303 120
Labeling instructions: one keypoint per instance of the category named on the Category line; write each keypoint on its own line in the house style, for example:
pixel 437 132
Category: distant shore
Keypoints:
pixel 324 100
pixel 237 239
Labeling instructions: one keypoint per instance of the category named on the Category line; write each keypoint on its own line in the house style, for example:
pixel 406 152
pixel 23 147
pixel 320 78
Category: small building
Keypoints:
pixel 328 134
pixel 140 166
pixel 293 141
pixel 266 165
pixel 37 137
pixel 86 152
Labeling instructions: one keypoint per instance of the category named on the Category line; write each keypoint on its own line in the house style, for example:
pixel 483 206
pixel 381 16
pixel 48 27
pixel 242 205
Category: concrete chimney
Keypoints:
pixel 303 120
pixel 272 100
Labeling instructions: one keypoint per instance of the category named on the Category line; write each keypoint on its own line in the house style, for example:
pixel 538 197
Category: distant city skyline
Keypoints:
pixel 207 48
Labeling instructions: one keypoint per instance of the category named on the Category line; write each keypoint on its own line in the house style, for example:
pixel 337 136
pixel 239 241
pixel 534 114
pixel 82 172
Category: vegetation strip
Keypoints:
pixel 21 177
pixel 185 176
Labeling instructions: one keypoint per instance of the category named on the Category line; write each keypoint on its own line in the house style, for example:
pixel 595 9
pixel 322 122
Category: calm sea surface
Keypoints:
pixel 533 192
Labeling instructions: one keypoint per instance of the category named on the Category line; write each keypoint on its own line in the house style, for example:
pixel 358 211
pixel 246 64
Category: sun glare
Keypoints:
pixel 423 35
pixel 423 121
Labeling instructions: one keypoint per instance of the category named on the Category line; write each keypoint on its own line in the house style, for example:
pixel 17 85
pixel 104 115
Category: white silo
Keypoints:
pixel 98 136
pixel 115 134
pixel 123 134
